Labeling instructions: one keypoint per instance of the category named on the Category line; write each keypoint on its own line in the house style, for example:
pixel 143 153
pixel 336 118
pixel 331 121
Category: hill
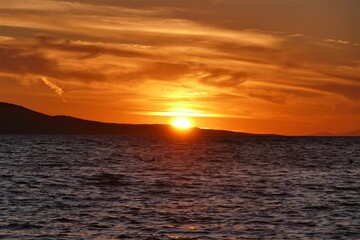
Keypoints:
pixel 16 119
pixel 352 133
pixel 355 133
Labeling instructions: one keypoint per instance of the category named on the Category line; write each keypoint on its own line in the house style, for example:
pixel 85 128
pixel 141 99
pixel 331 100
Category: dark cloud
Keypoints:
pixel 348 75
pixel 281 96
pixel 224 78
pixel 21 60
pixel 351 92
pixel 160 71
pixel 307 89
pixel 269 96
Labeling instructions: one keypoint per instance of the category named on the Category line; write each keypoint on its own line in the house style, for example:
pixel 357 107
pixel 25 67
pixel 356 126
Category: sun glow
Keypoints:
pixel 181 123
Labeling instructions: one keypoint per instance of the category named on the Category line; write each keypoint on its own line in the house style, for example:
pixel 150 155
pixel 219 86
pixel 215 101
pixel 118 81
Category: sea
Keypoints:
pixel 112 187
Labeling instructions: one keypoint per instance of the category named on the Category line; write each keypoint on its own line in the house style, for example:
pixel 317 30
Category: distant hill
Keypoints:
pixel 355 133
pixel 16 119
pixel 352 133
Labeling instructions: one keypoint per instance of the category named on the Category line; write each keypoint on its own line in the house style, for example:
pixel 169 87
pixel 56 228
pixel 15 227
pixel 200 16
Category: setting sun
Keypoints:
pixel 182 123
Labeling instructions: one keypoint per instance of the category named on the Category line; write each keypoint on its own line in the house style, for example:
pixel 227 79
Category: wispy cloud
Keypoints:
pixel 5 38
pixel 51 85
pixel 336 41
pixel 153 56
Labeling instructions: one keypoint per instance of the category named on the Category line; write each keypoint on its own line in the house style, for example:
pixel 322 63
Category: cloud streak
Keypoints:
pixel 52 86
pixel 152 57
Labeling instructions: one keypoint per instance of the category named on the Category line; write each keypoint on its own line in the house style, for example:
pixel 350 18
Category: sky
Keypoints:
pixel 288 67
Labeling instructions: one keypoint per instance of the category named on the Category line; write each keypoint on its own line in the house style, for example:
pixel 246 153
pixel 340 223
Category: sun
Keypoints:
pixel 181 123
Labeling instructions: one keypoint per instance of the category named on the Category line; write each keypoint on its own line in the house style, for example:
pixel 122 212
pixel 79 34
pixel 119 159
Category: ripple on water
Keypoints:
pixel 94 187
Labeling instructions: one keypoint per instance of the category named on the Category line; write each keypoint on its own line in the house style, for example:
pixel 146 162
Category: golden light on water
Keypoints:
pixel 181 123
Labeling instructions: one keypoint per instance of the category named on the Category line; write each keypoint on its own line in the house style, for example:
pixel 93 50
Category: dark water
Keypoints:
pixel 89 187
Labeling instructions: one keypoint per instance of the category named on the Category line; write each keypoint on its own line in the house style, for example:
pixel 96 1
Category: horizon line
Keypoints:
pixel 320 134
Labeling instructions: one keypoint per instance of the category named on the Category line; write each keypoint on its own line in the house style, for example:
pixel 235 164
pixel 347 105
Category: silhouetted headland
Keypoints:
pixel 16 119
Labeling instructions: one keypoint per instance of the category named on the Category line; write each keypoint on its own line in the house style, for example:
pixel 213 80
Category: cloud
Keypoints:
pixel 90 49
pixel 5 38
pixel 270 96
pixel 151 57
pixel 51 85
pixel 25 60
pixel 223 67
pixel 336 41
pixel 296 35
pixel 21 60
pixel 121 23
pixel 223 78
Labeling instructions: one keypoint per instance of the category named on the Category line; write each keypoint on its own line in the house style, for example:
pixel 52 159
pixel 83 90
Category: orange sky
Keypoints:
pixel 287 67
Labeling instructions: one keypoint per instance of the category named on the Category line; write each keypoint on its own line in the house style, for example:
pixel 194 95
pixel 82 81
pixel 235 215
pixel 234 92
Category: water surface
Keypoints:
pixel 103 187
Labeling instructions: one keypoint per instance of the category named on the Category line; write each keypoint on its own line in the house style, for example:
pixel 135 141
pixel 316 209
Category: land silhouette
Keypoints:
pixel 16 119
pixel 354 133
